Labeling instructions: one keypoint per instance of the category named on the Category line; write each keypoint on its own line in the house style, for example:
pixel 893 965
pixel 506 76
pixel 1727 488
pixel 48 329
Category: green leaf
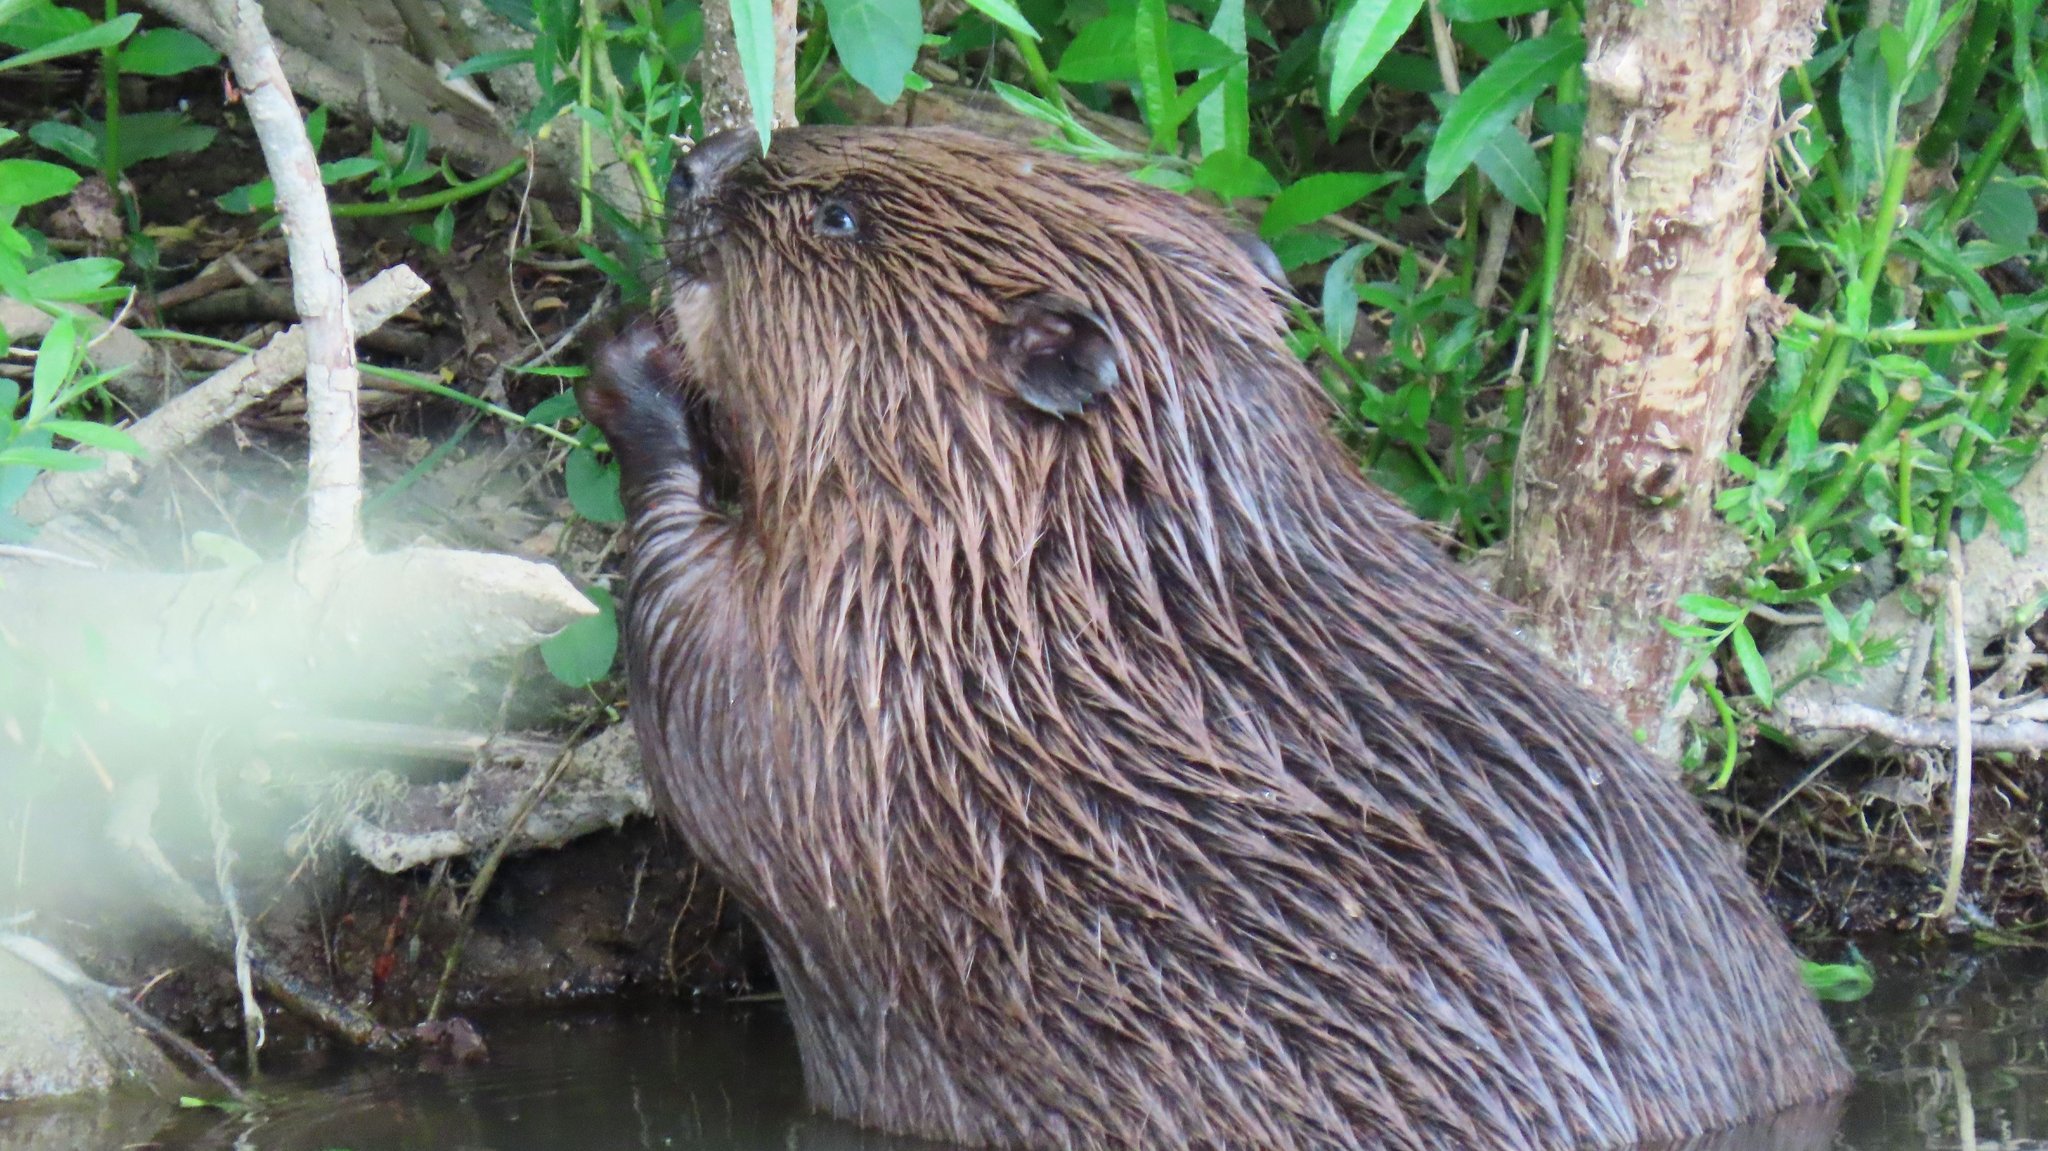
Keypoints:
pixel 491 62
pixel 2005 211
pixel 230 553
pixel 437 235
pixel 1106 52
pixel 257 197
pixel 1354 42
pixel 1493 99
pixel 2033 75
pixel 553 410
pixel 1005 13
pixel 1511 165
pixel 1997 502
pixel 155 135
pixel 39 22
pixel 1315 197
pixel 1712 609
pixel 1865 98
pixel 1753 666
pixel 753 30
pixel 92 435
pixel 1155 71
pixel 24 182
pixel 1340 296
pixel 1223 122
pixel 1839 982
pixel 92 39
pixel 581 654
pixel 166 52
pixel 1836 623
pixel 1302 248
pixel 593 488
pixel 1473 11
pixel 1234 175
pixel 1191 97
pixel 343 170
pixel 877 41
pixel 80 280
pixel 69 141
pixel 56 360
pixel 46 459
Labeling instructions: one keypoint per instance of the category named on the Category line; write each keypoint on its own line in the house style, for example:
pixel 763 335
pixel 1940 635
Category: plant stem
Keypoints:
pixel 1992 391
pixel 1888 337
pixel 110 82
pixel 1034 64
pixel 1972 63
pixel 1882 434
pixel 591 42
pixel 433 200
pixel 1564 158
pixel 1856 301
pixel 1984 164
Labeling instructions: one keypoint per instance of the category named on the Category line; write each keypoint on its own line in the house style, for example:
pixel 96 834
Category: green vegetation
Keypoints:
pixel 1410 166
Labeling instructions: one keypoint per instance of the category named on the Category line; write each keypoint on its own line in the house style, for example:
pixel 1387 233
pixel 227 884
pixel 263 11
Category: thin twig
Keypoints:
pixel 481 885
pixel 208 785
pixel 43 555
pixel 2026 736
pixel 1778 803
pixel 65 974
pixel 1959 792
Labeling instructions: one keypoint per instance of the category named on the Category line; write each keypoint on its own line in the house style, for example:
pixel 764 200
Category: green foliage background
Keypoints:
pixel 1384 149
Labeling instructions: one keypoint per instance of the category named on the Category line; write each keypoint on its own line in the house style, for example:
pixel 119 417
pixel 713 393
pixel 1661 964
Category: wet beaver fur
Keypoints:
pixel 1106 762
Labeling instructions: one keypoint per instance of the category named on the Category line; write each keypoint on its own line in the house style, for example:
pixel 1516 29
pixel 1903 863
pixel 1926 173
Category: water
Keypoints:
pixel 1946 1051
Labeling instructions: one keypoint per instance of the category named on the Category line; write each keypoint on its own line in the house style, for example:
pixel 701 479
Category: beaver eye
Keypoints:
pixel 834 219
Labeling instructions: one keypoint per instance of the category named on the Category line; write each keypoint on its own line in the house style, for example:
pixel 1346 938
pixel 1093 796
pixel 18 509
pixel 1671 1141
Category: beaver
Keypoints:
pixel 1106 762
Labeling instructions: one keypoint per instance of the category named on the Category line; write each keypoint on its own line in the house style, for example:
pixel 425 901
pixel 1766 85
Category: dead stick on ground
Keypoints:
pixel 64 973
pixel 2025 736
pixel 1959 792
pixel 228 392
pixel 481 885
pixel 334 482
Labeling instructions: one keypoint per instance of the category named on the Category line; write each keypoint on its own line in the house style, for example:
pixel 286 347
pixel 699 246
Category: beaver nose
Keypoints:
pixel 697 175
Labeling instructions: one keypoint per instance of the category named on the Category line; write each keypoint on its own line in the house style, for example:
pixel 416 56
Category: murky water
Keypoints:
pixel 1952 1054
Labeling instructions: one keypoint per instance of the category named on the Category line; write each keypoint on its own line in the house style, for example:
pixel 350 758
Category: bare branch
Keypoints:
pixel 334 481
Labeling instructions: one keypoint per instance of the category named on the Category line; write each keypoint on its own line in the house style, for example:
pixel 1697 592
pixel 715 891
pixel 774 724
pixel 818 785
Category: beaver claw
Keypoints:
pixel 632 396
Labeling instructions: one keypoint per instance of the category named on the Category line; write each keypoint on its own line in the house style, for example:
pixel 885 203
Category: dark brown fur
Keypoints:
pixel 1135 778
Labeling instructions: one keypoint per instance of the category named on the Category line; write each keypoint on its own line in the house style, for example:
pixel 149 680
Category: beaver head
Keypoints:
pixel 1106 763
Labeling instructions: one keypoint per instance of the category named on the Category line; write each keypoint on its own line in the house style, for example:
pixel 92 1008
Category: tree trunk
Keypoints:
pixel 1662 320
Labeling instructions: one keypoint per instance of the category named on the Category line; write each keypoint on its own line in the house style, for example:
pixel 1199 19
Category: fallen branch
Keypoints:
pixel 214 646
pixel 600 786
pixel 228 392
pixel 66 975
pixel 2008 735
pixel 488 870
pixel 204 923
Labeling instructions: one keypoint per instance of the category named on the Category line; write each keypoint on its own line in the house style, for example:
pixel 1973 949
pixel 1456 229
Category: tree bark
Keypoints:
pixel 720 81
pixel 1663 319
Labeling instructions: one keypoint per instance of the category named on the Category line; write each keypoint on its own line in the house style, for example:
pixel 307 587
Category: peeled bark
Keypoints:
pixel 1663 319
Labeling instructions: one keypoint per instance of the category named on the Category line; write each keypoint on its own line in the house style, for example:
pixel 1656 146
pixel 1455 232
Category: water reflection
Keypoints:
pixel 1951 1055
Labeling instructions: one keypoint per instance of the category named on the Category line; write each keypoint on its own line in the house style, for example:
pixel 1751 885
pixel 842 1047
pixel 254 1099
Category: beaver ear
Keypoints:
pixel 1059 354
